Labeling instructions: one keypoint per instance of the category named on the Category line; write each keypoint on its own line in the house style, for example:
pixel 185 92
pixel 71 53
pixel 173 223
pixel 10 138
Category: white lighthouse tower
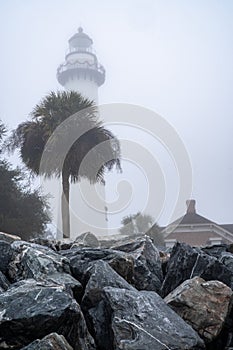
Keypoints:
pixel 81 71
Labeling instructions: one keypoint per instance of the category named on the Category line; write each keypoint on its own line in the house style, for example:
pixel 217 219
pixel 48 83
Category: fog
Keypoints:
pixel 172 57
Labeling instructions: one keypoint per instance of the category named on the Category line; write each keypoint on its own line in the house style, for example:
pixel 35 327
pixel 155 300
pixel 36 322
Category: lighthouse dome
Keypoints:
pixel 80 40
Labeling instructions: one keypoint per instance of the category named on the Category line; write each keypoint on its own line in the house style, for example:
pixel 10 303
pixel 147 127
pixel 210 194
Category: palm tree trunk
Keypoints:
pixel 65 205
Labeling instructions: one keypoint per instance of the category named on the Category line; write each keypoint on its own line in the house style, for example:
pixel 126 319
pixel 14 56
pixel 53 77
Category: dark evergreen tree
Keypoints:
pixel 23 211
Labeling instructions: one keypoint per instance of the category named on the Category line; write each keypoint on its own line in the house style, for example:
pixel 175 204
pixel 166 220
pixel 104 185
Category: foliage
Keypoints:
pixel 22 211
pixel 142 223
pixel 31 138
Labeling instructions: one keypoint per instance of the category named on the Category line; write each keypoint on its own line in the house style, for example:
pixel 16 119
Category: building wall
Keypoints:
pixel 87 207
pixel 86 87
pixel 195 238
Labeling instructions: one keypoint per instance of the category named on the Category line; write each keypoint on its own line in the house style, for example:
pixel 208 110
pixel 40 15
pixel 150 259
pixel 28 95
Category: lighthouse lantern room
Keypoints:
pixel 81 70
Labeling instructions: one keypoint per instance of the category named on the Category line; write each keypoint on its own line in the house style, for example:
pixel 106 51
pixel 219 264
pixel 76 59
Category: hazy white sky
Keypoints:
pixel 172 56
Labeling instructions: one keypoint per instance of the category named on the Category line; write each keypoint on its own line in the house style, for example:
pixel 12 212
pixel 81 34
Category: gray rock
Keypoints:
pixel 42 264
pixel 101 275
pixel 203 305
pixel 227 259
pixel 50 243
pixel 117 241
pixel 4 283
pixel 130 244
pixel 35 261
pixel 30 310
pixel 127 319
pixel 141 267
pixel 9 238
pixel 67 281
pixel 52 341
pixel 124 264
pixel 186 262
pixel 215 250
pixel 65 244
pixel 87 239
pixel 6 254
pixel 80 259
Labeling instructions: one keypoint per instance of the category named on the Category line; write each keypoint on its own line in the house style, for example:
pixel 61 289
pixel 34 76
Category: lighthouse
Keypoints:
pixel 81 70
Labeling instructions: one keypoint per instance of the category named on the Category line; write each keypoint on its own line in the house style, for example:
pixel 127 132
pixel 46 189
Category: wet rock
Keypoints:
pixel 80 259
pixel 141 267
pixel 186 262
pixel 65 244
pixel 50 243
pixel 87 239
pixel 164 257
pixel 35 261
pixel 227 259
pixel 127 319
pixel 224 340
pixel 4 283
pixel 6 255
pixel 215 250
pixel 130 245
pixel 30 310
pixel 148 255
pixel 52 341
pixel 9 238
pixel 203 305
pixel 124 265
pixel 117 241
pixel 101 275
pixel 107 243
pixel 42 264
pixel 230 248
pixel 67 281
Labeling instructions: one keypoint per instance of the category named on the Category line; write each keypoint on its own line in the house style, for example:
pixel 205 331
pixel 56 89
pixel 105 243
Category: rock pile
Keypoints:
pixel 132 297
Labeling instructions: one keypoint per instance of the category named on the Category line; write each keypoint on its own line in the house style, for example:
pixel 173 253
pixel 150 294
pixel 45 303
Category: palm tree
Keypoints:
pixel 54 122
pixel 136 223
pixel 142 223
